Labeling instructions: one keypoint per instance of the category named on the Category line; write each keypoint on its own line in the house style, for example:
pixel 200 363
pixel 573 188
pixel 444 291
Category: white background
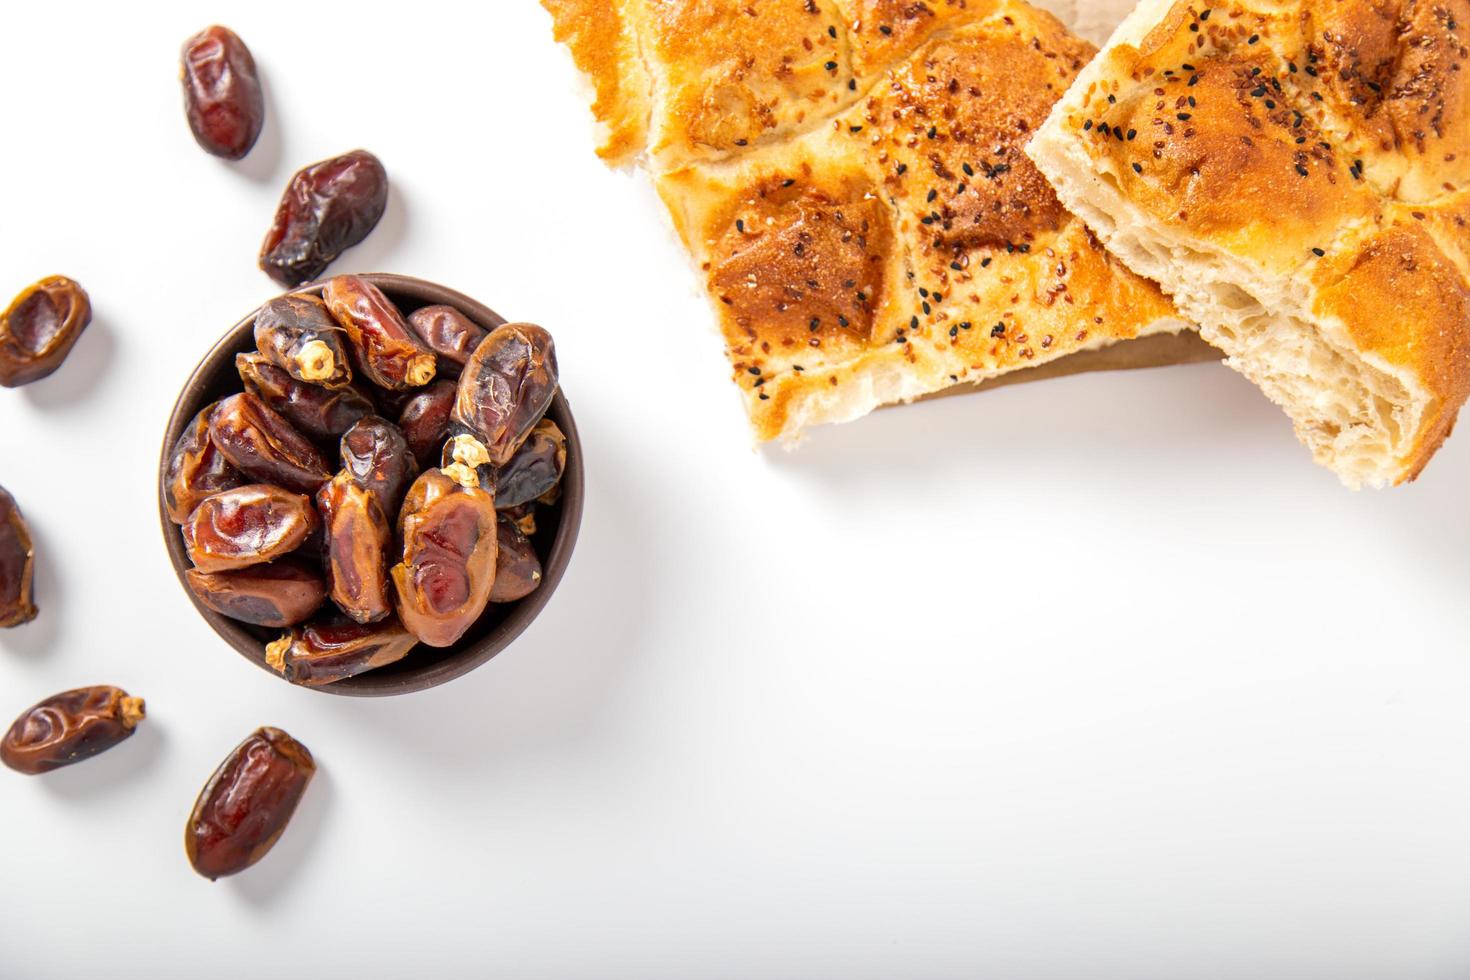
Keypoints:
pixel 1093 678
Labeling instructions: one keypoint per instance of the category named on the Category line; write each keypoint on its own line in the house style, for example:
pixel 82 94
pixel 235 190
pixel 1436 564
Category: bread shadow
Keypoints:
pixel 551 687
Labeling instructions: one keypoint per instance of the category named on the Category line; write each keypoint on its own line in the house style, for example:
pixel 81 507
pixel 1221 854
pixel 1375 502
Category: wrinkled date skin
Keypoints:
pixel 222 97
pixel 357 536
pixel 40 328
pixel 506 387
pixel 282 593
pixel 328 207
pixel 535 469
pixel 247 526
pixel 323 653
pixel 17 565
pixel 523 517
pixel 449 334
pixel 517 569
pixel 387 350
pixel 322 413
pixel 247 803
pixel 196 469
pixel 377 455
pixel 449 551
pixel 70 727
pixel 298 335
pixel 261 444
pixel 424 420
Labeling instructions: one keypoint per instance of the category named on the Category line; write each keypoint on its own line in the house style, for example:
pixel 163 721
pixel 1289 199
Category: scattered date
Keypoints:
pixel 70 727
pixel 245 806
pixel 327 208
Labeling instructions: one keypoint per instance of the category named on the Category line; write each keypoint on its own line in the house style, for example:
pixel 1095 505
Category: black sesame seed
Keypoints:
pixel 765 397
pixel 1253 39
pixel 956 267
pixel 999 330
pixel 852 84
pixel 954 331
pixel 1194 79
pixel 932 195
pixel 1301 170
pixel 1318 252
pixel 831 66
pixel 885 30
pixel 832 32
pixel 923 292
pixel 854 129
pixel 933 131
pixel 1270 104
pixel 1112 100
pixel 816 322
pixel 740 224
pixel 1181 116
pixel 1137 168
pixel 901 169
pixel 1132 133
pixel 754 370
pixel 926 308
pixel 787 182
pixel 965 325
pixel 984 262
pixel 841 320
pixel 1187 67
pixel 914 322
pixel 1085 127
pixel 1205 15
pixel 1194 28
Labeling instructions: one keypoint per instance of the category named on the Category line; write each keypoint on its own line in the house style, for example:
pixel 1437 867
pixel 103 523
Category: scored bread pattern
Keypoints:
pixel 1297 176
pixel 850 180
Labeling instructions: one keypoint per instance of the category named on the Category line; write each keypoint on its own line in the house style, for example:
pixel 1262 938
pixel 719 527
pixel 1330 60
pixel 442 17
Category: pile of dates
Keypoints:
pixel 440 454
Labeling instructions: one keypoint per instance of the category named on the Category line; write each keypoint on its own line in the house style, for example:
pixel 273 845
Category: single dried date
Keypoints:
pixel 246 804
pixel 222 97
pixel 387 350
pixel 449 334
pixel 298 335
pixel 17 565
pixel 424 420
pixel 261 444
pixel 247 526
pixel 535 469
pixel 324 653
pixel 40 328
pixel 357 537
pixel 281 593
pixel 377 455
pixel 517 568
pixel 449 552
pixel 322 413
pixel 196 469
pixel 327 208
pixel 70 727
pixel 506 387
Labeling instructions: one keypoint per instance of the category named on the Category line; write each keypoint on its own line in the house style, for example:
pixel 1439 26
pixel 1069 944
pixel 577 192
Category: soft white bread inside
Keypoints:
pixel 1182 148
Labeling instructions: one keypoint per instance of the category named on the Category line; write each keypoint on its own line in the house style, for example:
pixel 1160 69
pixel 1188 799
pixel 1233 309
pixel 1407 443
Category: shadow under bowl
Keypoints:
pixel 424 667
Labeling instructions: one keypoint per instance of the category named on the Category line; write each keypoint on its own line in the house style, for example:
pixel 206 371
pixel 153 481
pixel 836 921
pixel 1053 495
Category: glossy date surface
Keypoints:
pixel 247 526
pixel 222 97
pixel 535 469
pixel 298 335
pixel 247 803
pixel 449 334
pixel 323 653
pixel 357 534
pixel 281 593
pixel 70 727
pixel 449 553
pixel 388 352
pixel 17 565
pixel 424 420
pixel 321 413
pixel 327 208
pixel 517 568
pixel 40 328
pixel 196 469
pixel 261 444
pixel 506 387
pixel 377 455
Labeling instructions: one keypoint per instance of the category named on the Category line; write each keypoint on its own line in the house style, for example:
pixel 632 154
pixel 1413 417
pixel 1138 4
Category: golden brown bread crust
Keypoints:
pixel 1324 142
pixel 604 47
pixel 850 178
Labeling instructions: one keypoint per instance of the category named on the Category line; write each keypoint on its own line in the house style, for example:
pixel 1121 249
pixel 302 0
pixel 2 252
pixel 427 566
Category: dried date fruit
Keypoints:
pixel 322 413
pixel 247 803
pixel 449 334
pixel 222 97
pixel 247 526
pixel 523 517
pixel 298 335
pixel 506 387
pixel 327 208
pixel 70 727
pixel 261 444
pixel 517 568
pixel 376 455
pixel 449 550
pixel 281 593
pixel 424 420
pixel 535 469
pixel 40 328
pixel 466 460
pixel 17 565
pixel 387 351
pixel 196 469
pixel 357 537
pixel 326 652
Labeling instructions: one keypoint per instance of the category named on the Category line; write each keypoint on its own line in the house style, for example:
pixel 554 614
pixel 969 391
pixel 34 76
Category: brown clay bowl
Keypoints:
pixel 425 667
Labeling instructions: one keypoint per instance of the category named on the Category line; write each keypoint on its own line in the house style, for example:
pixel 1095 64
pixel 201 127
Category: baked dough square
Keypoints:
pixel 849 179
pixel 1297 177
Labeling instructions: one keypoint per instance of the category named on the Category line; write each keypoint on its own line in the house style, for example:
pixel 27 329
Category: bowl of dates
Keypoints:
pixel 372 484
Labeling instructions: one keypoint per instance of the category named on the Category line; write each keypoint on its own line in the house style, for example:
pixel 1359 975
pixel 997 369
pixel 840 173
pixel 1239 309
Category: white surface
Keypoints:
pixel 1097 678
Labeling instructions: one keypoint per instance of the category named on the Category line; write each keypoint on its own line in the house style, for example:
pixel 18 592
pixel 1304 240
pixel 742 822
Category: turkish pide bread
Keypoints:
pixel 849 179
pixel 1297 176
